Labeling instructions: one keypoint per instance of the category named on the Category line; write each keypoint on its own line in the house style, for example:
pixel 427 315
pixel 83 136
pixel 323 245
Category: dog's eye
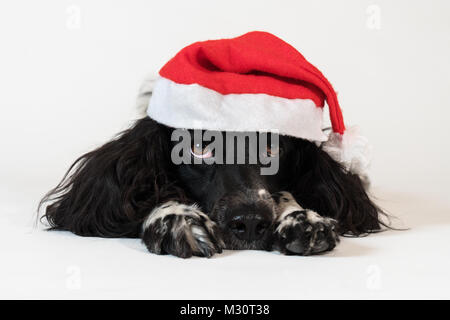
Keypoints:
pixel 274 151
pixel 198 151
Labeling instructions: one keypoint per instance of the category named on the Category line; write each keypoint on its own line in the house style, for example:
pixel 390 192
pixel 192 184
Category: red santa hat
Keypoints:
pixel 255 82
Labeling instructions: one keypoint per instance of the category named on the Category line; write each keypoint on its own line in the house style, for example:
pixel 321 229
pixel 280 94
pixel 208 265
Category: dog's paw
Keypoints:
pixel 302 232
pixel 181 230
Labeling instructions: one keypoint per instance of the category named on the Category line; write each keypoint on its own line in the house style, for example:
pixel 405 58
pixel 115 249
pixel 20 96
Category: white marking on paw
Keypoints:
pixel 288 210
pixel 199 233
pixel 286 222
pixel 169 208
pixel 287 205
pixel 198 237
pixel 313 217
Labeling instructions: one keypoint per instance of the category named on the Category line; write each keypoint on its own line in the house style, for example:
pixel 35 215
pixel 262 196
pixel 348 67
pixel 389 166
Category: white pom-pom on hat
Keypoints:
pixel 352 150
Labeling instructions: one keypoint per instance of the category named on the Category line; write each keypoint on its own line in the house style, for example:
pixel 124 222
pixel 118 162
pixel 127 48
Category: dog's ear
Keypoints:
pixel 322 184
pixel 109 191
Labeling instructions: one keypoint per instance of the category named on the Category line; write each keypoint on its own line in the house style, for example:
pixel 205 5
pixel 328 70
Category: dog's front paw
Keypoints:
pixel 181 230
pixel 302 232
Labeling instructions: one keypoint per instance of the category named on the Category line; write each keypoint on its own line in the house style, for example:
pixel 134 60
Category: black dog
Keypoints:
pixel 129 187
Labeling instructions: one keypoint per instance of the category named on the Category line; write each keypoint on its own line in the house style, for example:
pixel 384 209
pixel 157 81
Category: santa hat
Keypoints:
pixel 255 82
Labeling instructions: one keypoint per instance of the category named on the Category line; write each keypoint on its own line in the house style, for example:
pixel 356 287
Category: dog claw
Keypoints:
pixel 296 247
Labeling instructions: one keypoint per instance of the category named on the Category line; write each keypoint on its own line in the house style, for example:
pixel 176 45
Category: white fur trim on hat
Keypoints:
pixel 195 107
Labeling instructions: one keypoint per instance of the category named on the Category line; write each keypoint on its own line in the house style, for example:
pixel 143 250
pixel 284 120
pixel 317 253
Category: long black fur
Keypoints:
pixel 109 192
pixel 323 185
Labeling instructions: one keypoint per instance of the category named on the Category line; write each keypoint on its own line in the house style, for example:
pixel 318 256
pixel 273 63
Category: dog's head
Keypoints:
pixel 238 196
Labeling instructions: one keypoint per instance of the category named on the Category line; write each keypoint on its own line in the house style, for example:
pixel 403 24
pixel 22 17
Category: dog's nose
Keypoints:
pixel 249 227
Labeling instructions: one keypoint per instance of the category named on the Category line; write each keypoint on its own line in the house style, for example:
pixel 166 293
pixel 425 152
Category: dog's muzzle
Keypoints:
pixel 245 217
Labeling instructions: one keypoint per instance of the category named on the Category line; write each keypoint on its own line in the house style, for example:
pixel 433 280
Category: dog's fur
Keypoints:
pixel 129 187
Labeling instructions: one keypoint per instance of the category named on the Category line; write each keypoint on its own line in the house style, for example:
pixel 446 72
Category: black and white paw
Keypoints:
pixel 302 232
pixel 181 230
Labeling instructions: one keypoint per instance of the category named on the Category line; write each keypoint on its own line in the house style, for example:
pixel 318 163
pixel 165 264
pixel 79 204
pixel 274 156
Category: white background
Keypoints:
pixel 69 74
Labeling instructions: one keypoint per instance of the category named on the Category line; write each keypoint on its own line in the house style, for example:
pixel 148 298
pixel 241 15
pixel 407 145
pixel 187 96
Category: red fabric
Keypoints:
pixel 256 62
